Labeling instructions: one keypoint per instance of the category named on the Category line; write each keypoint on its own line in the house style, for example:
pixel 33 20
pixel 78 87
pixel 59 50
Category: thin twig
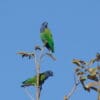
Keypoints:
pixel 26 54
pixel 73 89
pixel 41 54
pixel 29 94
pixel 98 94
pixel 51 56
pixel 99 87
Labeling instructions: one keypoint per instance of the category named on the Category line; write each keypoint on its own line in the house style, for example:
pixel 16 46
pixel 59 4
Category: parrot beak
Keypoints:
pixel 52 74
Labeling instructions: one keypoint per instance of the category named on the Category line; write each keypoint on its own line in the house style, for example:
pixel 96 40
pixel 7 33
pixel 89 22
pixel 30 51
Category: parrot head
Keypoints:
pixel 48 73
pixel 44 26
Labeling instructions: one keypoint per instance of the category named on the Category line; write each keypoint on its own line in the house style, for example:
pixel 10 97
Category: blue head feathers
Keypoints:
pixel 43 26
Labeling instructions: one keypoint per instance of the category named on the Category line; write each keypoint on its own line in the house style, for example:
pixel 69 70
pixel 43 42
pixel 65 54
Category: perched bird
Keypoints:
pixel 46 37
pixel 33 81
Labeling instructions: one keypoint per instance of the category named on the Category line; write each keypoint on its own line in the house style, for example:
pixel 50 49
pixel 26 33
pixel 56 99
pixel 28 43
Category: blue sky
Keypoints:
pixel 75 25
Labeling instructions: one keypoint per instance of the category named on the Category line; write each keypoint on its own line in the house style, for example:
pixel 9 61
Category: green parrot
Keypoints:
pixel 32 81
pixel 46 37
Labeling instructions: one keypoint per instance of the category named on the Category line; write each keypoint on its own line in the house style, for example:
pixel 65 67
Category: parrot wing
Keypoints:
pixel 47 39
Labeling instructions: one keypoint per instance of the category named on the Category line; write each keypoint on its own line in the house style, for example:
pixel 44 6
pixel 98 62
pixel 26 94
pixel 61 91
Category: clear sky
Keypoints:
pixel 75 25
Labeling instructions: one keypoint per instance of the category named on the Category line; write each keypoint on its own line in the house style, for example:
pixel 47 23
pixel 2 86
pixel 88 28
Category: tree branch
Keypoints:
pixel 37 63
pixel 29 94
pixel 98 94
pixel 51 56
pixel 67 97
pixel 37 74
pixel 26 54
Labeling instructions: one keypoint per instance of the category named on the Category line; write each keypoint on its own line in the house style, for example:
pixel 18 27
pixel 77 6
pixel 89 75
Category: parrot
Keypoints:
pixel 46 37
pixel 32 81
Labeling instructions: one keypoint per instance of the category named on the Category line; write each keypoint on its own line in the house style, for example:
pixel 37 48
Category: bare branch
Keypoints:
pixel 38 48
pixel 26 54
pixel 37 73
pixel 51 56
pixel 98 57
pixel 66 97
pixel 84 72
pixel 93 84
pixel 37 61
pixel 92 61
pixel 41 54
pixel 79 63
pixel 98 94
pixel 29 94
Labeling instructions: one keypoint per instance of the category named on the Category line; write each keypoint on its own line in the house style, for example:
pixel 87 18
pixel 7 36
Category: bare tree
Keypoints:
pixel 85 72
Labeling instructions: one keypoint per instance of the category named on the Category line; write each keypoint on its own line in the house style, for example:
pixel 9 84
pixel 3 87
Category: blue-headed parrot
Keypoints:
pixel 33 81
pixel 46 37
